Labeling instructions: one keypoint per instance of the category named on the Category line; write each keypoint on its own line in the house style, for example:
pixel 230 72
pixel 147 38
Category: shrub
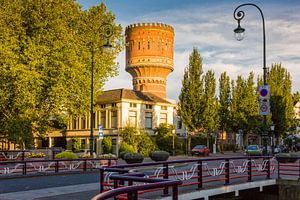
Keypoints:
pixel 159 155
pixel 107 156
pixel 107 145
pixel 66 155
pixel 36 155
pixel 76 144
pixel 85 155
pixel 126 147
pixel 133 158
pixel 286 157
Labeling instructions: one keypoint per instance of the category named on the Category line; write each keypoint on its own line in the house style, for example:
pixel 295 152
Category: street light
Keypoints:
pixel 239 34
pixel 107 32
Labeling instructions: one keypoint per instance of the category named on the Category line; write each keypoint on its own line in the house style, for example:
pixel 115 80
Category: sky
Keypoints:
pixel 208 26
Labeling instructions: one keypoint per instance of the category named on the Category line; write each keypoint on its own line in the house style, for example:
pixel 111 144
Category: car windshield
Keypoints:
pixel 199 147
pixel 252 148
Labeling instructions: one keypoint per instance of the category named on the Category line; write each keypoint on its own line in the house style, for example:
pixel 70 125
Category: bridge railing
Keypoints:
pixel 46 166
pixel 194 173
pixel 288 167
pixel 132 191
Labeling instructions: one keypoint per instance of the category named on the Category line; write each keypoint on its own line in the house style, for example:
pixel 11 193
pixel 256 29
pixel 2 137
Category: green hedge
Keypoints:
pixel 66 155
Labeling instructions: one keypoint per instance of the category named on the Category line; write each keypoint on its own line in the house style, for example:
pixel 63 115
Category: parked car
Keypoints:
pixel 297 147
pixel 201 150
pixel 253 150
pixel 280 149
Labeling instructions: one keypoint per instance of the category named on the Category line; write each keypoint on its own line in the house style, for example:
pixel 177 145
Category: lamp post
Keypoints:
pixel 239 34
pixel 272 127
pixel 107 33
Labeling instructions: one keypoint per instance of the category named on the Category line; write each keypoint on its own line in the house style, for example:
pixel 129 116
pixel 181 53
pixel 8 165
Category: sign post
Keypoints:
pixel 100 138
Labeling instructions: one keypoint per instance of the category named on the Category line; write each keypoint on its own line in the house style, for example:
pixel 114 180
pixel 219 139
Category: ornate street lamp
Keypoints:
pixel 107 32
pixel 239 35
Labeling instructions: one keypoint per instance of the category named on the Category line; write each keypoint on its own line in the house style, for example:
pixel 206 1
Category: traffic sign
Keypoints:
pixel 100 136
pixel 264 92
pixel 264 108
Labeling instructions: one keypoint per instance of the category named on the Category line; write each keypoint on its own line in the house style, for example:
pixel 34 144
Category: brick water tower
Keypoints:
pixel 149 56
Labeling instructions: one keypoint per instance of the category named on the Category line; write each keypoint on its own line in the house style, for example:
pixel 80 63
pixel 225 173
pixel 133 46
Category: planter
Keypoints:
pixel 286 158
pixel 159 155
pixel 131 158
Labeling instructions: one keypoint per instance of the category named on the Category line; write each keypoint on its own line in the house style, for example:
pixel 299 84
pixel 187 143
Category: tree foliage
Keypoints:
pixel 190 105
pixel 224 102
pixel 210 104
pixel 45 63
pixel 139 140
pixel 164 135
pixel 244 107
pixel 281 99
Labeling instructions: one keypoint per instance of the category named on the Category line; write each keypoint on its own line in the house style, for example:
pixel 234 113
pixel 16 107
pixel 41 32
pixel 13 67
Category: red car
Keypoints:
pixel 200 150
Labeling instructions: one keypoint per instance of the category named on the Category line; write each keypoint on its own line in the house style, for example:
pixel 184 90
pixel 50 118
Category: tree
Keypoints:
pixel 164 137
pixel 45 63
pixel 281 99
pixel 225 103
pixel 244 107
pixel 139 140
pixel 296 97
pixel 210 115
pixel 190 106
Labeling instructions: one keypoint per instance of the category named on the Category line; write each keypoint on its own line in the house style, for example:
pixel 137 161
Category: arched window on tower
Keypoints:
pixel 139 45
pixel 148 44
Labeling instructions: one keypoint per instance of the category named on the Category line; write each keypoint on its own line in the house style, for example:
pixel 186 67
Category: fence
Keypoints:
pixel 34 166
pixel 192 174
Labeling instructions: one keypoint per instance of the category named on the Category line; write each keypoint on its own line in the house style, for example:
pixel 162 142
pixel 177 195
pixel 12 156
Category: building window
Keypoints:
pixel 132 118
pixel 102 106
pixel 148 44
pixel 139 45
pixel 163 118
pixel 132 105
pixel 163 108
pixel 148 106
pixel 83 122
pixel 148 120
pixel 103 119
pixel 74 127
pixel 179 124
pixel 113 105
pixel 114 119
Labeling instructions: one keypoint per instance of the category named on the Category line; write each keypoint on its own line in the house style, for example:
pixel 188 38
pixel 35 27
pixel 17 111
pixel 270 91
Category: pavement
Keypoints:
pixel 76 191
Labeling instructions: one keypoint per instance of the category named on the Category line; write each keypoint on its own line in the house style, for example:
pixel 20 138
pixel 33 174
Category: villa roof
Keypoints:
pixel 119 94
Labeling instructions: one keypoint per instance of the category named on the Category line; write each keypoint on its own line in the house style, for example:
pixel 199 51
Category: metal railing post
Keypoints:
pixel 23 155
pixel 227 171
pixel 84 165
pixel 199 168
pixel 132 195
pixel 24 167
pixel 101 180
pixel 166 176
pixel 278 169
pixel 249 169
pixel 268 168
pixel 56 166
pixel 175 192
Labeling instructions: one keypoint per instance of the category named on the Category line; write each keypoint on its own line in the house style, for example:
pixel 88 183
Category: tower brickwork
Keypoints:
pixel 149 56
